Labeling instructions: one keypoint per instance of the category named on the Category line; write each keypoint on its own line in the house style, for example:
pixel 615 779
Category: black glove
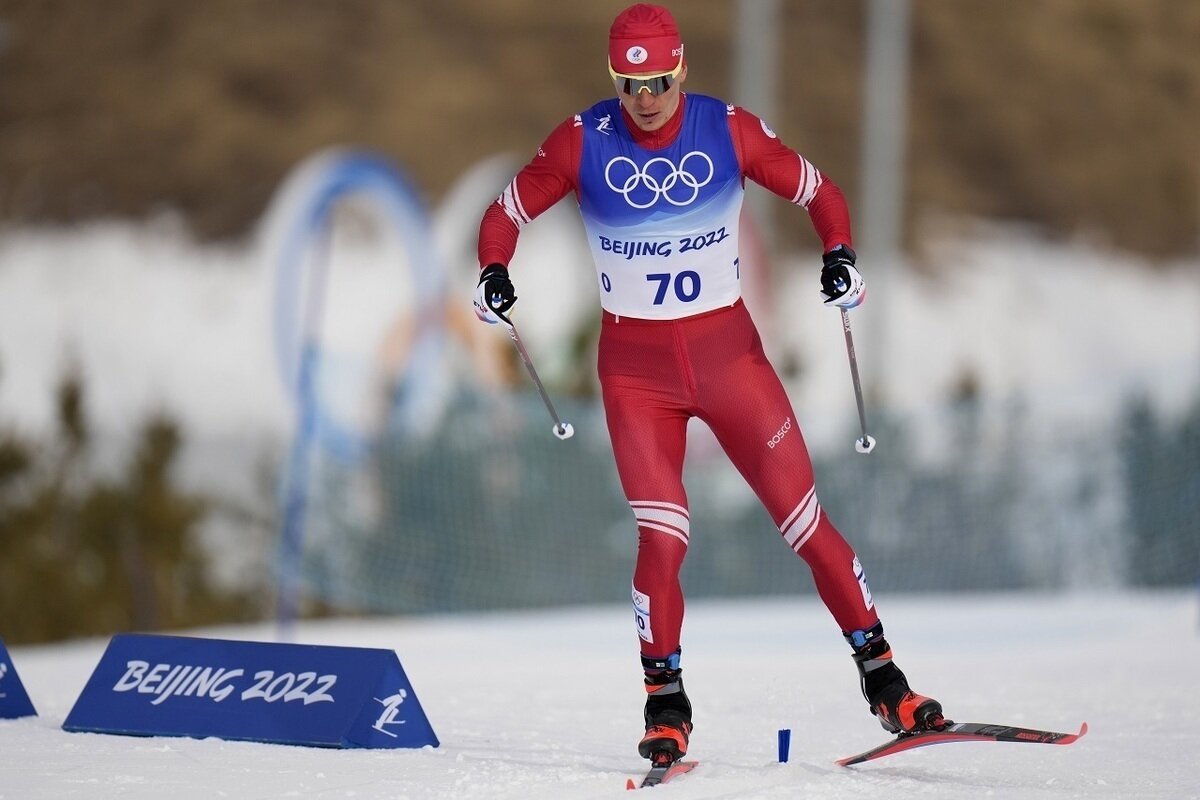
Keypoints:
pixel 841 283
pixel 495 289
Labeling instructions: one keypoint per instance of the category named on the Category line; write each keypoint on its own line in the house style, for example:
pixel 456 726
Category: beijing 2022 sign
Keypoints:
pixel 296 694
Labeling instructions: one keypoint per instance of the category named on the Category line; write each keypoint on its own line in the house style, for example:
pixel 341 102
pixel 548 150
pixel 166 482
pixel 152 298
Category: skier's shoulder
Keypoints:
pixel 707 102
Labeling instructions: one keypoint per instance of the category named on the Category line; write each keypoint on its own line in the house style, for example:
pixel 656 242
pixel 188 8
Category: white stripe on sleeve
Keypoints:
pixel 810 181
pixel 510 201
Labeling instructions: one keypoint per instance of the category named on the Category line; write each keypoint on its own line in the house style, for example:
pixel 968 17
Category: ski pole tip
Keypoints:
pixel 564 431
pixel 865 445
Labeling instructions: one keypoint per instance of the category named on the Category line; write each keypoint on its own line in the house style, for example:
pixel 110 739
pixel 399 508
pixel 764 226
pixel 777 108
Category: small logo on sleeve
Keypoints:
pixel 782 432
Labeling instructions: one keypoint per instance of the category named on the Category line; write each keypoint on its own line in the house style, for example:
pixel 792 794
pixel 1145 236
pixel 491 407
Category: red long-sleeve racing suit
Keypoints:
pixel 661 211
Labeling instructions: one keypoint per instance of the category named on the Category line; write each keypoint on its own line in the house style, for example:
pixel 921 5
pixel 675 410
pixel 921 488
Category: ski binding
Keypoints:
pixel 663 768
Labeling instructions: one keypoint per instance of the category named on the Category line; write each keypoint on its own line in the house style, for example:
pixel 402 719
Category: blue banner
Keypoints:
pixel 314 695
pixel 14 701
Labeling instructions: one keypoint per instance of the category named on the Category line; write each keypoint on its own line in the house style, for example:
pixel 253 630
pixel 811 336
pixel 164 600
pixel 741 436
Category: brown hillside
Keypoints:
pixel 1080 115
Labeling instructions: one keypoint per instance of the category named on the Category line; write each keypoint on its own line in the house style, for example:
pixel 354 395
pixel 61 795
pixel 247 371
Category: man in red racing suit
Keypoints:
pixel 659 177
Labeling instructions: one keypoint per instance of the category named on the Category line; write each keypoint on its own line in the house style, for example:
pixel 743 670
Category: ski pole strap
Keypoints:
pixel 860 639
pixel 657 664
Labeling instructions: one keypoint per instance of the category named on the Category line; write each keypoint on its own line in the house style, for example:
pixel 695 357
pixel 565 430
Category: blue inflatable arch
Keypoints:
pixel 306 203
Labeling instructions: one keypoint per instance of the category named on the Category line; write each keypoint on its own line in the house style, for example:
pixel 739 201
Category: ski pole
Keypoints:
pixel 867 443
pixel 563 430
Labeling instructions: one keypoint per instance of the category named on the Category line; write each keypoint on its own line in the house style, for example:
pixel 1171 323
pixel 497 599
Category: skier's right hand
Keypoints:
pixel 494 295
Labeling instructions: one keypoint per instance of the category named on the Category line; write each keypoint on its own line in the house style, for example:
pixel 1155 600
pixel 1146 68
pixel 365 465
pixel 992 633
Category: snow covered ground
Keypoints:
pixel 545 706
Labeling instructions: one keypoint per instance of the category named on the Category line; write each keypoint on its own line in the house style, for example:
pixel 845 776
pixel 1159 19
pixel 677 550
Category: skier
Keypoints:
pixel 659 177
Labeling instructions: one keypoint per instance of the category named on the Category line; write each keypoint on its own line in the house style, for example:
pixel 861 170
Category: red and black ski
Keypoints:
pixel 661 773
pixel 963 732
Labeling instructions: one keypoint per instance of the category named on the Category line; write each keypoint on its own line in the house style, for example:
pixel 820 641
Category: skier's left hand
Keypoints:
pixel 841 283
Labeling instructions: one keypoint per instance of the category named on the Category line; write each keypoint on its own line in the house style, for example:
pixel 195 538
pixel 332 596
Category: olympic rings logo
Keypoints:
pixel 660 178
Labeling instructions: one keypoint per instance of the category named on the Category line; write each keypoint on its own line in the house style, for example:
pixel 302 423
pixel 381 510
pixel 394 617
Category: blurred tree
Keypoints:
pixel 85 555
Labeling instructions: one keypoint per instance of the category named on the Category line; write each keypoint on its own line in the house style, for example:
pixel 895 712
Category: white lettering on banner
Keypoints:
pixel 218 683
pixel 134 670
pixel 660 182
pixel 391 710
pixel 147 684
pixel 783 431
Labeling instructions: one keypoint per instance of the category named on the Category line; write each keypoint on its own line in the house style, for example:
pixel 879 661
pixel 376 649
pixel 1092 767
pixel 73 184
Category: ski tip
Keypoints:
pixel 1071 738
pixel 850 761
pixel 629 784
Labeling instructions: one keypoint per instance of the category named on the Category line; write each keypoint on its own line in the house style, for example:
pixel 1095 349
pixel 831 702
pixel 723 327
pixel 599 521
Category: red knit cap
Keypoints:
pixel 644 40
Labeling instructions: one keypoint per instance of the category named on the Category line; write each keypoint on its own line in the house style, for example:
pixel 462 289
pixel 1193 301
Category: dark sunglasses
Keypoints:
pixel 654 84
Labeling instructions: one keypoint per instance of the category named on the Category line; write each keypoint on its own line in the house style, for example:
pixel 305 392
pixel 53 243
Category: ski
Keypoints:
pixel 661 773
pixel 963 732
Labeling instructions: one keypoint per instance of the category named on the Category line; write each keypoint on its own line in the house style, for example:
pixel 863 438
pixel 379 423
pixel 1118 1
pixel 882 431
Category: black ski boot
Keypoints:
pixel 898 708
pixel 668 716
